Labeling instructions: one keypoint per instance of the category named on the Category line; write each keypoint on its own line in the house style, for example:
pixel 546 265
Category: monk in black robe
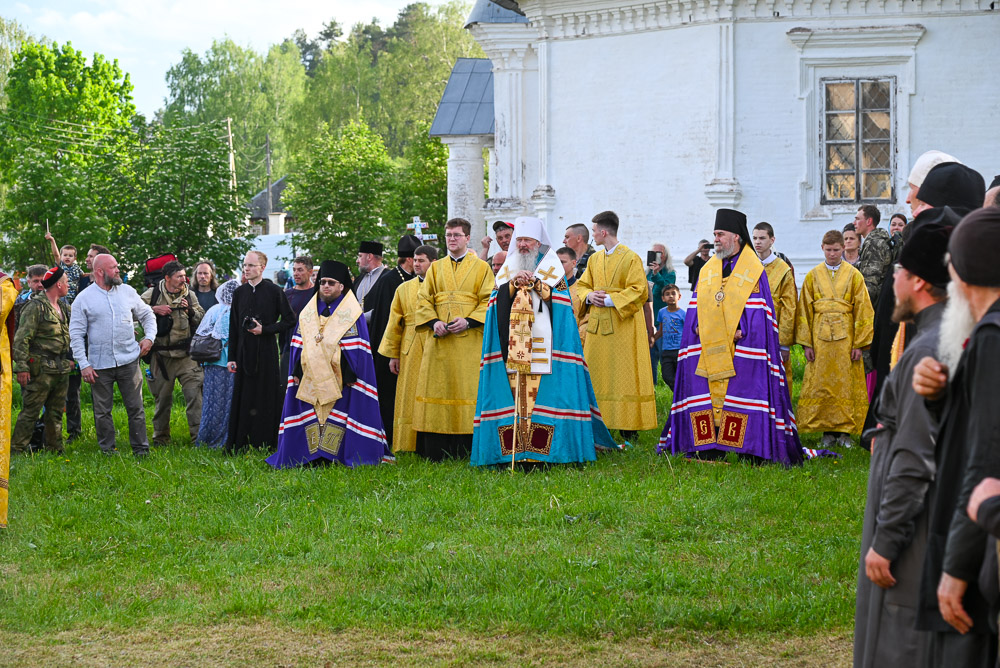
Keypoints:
pixel 260 313
pixel 379 300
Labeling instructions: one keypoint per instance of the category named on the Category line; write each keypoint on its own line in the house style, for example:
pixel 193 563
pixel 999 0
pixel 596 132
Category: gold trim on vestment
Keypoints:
pixel 322 383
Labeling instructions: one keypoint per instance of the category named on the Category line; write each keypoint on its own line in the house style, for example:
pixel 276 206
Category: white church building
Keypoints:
pixel 793 111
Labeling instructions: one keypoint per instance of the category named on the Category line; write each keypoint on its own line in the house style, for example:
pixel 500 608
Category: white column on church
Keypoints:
pixel 465 178
pixel 724 189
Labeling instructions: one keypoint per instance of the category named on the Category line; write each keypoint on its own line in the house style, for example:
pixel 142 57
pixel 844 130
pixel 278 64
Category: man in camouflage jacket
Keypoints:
pixel 42 361
pixel 876 250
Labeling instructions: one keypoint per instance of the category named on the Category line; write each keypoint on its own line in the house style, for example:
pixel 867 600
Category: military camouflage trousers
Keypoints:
pixel 46 390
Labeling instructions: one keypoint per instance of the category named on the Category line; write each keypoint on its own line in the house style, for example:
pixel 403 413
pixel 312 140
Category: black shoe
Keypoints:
pixel 109 453
pixel 72 437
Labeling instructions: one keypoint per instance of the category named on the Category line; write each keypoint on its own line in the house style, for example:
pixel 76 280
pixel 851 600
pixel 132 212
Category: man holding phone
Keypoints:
pixel 452 304
pixel 696 260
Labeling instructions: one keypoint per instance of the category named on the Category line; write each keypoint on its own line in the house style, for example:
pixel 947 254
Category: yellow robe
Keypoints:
pixel 834 316
pixel 616 347
pixel 782 282
pixel 8 293
pixel 578 313
pixel 403 342
pixel 445 401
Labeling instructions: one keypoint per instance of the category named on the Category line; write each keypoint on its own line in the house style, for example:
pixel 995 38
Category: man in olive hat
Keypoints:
pixel 730 394
pixel 959 382
pixel 894 534
pixel 379 302
pixel 331 407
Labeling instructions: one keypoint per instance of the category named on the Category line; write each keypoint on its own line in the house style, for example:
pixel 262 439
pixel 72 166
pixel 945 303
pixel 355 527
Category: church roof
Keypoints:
pixel 495 11
pixel 466 106
pixel 258 205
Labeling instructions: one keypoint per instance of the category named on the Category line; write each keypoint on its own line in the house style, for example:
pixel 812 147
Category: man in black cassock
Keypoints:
pixel 379 300
pixel 260 313
pixel 958 581
pixel 902 464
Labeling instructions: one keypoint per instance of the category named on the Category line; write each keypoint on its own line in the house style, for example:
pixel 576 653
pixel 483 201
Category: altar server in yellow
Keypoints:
pixel 613 291
pixel 404 348
pixel 451 308
pixel 8 293
pixel 834 322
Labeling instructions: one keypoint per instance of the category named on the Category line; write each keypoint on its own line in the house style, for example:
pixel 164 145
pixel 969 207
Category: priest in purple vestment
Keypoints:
pixel 331 405
pixel 730 394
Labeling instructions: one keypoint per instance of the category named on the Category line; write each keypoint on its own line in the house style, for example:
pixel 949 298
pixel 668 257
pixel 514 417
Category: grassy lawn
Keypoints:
pixel 191 556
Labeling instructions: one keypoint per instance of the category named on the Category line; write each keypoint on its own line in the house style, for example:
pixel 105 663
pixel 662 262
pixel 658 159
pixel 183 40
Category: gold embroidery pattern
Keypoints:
pixel 538 442
pixel 733 430
pixel 328 438
pixel 703 427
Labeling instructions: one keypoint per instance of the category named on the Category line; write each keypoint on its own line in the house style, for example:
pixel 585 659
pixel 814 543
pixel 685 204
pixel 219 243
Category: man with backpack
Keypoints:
pixel 178 314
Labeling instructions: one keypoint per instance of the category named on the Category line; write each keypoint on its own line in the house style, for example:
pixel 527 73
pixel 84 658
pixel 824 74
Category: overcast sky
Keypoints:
pixel 147 36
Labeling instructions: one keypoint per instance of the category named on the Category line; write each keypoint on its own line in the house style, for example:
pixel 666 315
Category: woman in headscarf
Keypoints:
pixel 217 394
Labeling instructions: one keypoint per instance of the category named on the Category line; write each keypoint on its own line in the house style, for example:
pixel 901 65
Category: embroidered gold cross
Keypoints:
pixel 549 274
pixel 707 277
pixel 743 278
pixel 504 275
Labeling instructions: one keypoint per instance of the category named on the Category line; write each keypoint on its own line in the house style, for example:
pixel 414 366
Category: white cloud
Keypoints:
pixel 147 37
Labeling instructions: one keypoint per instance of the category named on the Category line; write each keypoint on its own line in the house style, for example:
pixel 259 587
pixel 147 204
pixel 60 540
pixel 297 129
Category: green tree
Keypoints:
pixel 11 36
pixel 173 194
pixel 345 192
pixel 65 115
pixel 424 182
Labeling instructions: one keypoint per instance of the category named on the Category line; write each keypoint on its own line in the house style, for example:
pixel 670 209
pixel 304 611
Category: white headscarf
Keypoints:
pixel 216 320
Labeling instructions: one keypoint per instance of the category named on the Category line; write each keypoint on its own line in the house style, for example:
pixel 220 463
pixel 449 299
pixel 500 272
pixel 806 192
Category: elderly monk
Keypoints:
pixel 536 401
pixel 730 394
pixel 331 406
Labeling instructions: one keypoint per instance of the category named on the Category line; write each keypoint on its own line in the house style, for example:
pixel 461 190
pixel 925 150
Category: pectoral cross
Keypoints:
pixel 549 274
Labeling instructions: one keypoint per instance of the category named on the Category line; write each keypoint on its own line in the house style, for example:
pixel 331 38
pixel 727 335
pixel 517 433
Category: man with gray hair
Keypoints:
pixel 103 313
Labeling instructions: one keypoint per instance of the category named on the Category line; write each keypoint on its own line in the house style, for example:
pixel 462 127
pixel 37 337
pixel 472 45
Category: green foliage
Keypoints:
pixel 424 181
pixel 173 193
pixel 12 34
pixel 64 117
pixel 345 192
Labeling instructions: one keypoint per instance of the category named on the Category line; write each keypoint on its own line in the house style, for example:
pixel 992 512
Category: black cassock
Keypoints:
pixel 258 390
pixel 380 299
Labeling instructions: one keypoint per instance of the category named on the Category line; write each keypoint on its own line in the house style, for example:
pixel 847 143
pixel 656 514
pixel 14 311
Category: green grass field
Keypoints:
pixel 189 556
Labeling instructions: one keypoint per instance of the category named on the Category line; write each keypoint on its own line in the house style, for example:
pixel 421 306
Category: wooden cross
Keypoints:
pixel 549 274
pixel 418 227
pixel 742 278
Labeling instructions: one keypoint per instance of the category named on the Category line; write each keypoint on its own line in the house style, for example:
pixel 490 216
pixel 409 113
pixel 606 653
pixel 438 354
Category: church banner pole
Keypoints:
pixel 517 418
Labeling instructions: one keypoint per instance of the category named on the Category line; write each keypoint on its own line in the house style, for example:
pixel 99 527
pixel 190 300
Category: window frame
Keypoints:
pixel 859 140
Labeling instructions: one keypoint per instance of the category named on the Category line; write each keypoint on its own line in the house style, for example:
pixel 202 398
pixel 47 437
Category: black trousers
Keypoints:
pixel 668 367
pixel 73 419
pixel 438 447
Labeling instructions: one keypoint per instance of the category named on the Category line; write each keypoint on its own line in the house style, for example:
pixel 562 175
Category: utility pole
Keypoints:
pixel 267 161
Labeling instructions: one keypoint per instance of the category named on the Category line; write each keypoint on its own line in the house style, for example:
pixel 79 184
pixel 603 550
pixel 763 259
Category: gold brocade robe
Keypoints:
pixel 783 293
pixel 402 341
pixel 834 316
pixel 445 401
pixel 616 347
pixel 8 293
pixel 578 312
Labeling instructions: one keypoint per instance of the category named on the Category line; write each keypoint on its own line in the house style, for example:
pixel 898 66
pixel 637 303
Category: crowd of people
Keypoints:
pixel 537 354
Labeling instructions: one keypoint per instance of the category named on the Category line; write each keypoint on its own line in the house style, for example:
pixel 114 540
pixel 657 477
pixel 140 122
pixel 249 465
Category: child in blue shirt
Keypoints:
pixel 670 325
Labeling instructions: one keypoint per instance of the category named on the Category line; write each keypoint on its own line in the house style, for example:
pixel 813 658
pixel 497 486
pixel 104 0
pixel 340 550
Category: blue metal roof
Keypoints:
pixel 490 11
pixel 466 107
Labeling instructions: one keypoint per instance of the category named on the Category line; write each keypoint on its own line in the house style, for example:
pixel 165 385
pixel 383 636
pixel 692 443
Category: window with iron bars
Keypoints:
pixel 858 140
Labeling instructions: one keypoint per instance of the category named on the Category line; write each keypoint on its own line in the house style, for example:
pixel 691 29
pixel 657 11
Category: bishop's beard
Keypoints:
pixel 957 323
pixel 526 262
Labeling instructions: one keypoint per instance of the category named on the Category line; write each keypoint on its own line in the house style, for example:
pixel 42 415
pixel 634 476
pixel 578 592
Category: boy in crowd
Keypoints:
pixel 670 326
pixel 66 259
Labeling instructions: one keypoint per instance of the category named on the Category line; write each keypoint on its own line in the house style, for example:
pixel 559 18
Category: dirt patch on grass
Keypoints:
pixel 263 644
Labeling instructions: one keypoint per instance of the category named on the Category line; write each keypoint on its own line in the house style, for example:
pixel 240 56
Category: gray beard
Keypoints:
pixel 957 323
pixel 525 262
pixel 725 253
pixel 112 281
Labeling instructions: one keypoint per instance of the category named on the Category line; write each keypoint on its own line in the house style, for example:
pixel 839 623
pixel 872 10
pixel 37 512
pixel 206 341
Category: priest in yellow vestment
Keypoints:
pixel 451 307
pixel 834 324
pixel 8 293
pixel 612 292
pixel 404 348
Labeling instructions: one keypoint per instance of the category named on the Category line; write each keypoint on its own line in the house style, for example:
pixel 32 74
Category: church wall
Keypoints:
pixel 633 130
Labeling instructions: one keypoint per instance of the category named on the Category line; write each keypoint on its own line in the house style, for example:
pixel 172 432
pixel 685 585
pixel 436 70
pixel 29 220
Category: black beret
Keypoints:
pixel 52 277
pixel 955 185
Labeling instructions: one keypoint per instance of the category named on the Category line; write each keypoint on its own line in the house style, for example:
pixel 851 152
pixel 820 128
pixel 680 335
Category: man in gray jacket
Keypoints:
pixel 894 534
pixel 103 313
